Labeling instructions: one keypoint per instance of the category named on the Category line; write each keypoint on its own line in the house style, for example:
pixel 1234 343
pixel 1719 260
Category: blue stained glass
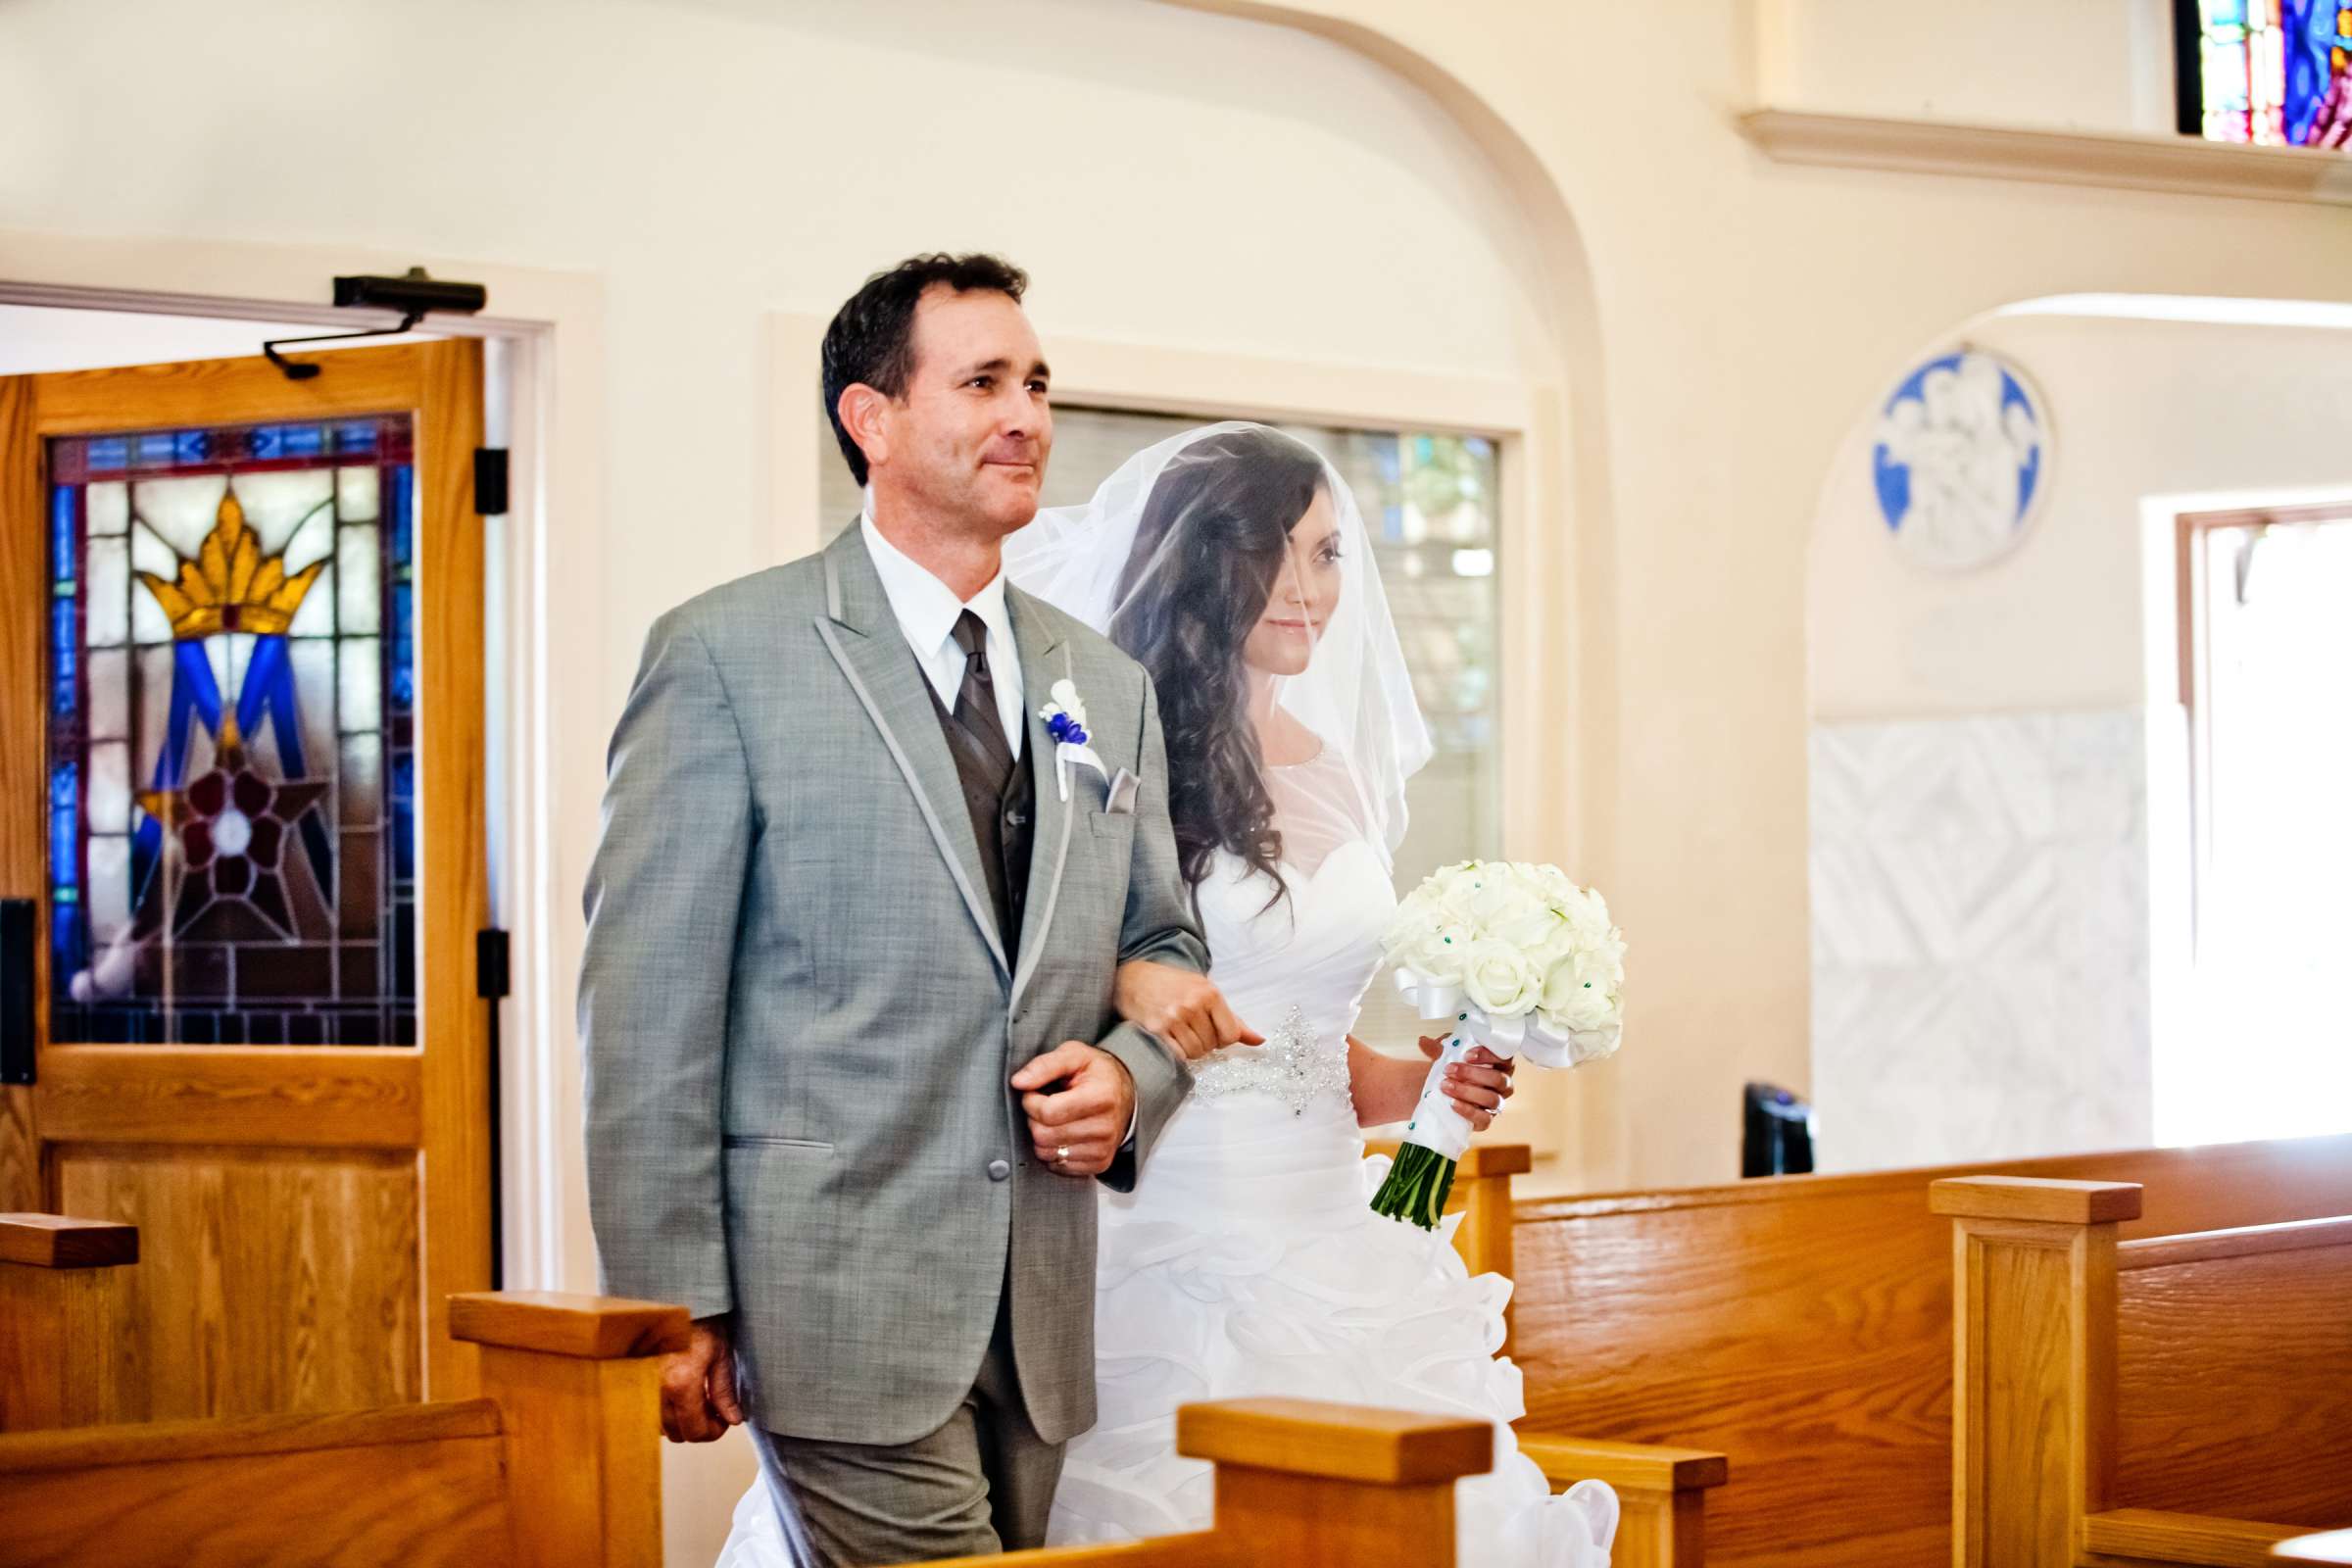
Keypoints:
pixel 64 933
pixel 192 446
pixel 404 648
pixel 404 524
pixel 154 449
pixel 404 817
pixel 107 451
pixel 65 657
pixel 64 535
pixel 356 435
pixel 64 820
pixel 292 440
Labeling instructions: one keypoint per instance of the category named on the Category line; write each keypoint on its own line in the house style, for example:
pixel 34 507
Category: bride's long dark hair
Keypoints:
pixel 1186 605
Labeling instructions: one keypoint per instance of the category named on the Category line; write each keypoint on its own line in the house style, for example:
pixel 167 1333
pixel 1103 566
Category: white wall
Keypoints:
pixel 1168 177
pixel 2078 64
pixel 1997 796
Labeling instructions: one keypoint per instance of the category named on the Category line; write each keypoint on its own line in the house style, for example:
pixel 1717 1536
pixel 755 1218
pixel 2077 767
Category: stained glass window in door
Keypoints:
pixel 231 777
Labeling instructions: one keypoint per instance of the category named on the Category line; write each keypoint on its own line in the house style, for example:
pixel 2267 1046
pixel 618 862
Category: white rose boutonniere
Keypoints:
pixel 1064 717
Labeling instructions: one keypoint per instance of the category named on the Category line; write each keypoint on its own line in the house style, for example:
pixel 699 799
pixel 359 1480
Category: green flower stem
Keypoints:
pixel 1418 1185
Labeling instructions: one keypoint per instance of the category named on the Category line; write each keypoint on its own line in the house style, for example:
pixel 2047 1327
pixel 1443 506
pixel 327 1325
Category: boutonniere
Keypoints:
pixel 1065 720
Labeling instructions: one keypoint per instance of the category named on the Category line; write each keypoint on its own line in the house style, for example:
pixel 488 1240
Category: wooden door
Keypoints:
pixel 241 778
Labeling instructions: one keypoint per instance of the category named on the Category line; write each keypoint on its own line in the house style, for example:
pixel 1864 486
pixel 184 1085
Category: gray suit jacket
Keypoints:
pixel 797 1017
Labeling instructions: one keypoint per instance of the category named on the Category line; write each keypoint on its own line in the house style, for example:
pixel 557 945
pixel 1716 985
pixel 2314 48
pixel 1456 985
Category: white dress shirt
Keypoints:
pixel 927 610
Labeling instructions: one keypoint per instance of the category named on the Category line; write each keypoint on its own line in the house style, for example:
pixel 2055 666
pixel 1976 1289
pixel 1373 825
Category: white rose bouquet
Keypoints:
pixel 1520 961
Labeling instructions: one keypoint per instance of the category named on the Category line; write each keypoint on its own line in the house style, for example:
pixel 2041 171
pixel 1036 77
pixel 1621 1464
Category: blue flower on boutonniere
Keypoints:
pixel 1065 720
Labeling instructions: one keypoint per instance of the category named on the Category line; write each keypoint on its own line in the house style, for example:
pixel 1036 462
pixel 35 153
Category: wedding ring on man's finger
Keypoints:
pixel 1061 1154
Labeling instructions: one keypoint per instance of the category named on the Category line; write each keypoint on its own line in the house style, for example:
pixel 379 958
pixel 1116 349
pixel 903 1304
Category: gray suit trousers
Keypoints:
pixel 982 1482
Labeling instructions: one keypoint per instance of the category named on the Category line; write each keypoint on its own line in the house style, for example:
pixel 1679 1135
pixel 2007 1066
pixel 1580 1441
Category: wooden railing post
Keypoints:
pixel 1661 1492
pixel 1306 1483
pixel 62 1298
pixel 577 1380
pixel 2033 1363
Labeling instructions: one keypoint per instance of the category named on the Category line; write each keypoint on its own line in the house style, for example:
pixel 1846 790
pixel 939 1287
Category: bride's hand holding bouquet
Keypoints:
pixel 1524 963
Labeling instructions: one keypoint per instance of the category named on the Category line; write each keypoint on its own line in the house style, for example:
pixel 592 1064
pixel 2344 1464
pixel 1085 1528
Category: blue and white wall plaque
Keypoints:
pixel 1962 459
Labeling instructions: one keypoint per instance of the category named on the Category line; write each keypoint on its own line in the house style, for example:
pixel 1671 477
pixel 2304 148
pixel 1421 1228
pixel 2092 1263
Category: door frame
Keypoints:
pixel 544 347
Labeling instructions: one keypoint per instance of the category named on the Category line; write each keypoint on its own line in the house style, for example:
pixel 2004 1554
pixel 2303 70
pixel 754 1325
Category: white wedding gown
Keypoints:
pixel 1248 1260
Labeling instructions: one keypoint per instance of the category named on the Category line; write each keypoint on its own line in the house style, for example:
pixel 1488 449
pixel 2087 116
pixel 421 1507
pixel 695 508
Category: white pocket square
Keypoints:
pixel 1121 799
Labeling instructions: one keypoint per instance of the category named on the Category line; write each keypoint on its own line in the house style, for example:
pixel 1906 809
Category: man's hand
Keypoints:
pixel 1077 1128
pixel 698 1385
pixel 1180 1007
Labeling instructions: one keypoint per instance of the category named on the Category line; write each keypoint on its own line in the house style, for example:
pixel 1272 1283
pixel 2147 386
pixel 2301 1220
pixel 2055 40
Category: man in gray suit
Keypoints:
pixel 853 925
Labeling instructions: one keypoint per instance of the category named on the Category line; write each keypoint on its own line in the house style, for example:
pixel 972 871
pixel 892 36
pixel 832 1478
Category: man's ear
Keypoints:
pixel 864 412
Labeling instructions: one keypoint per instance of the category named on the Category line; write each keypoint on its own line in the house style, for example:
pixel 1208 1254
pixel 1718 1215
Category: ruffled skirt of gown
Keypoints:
pixel 1248 1262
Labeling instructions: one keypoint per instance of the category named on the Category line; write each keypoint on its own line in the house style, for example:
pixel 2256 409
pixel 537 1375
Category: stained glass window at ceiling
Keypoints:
pixel 2271 73
pixel 232 739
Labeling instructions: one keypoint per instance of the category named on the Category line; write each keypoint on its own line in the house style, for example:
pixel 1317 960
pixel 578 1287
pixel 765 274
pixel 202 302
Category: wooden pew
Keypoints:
pixel 1801 1326
pixel 1307 1484
pixel 557 1467
pixel 2174 1399
pixel 62 1310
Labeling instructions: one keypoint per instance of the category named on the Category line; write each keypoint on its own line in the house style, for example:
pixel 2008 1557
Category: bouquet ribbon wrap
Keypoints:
pixel 1438 1135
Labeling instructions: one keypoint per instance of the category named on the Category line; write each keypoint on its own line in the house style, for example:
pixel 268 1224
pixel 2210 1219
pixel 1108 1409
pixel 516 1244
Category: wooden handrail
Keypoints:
pixel 59 1241
pixel 2247 1240
pixel 2189 1540
pixel 144 1443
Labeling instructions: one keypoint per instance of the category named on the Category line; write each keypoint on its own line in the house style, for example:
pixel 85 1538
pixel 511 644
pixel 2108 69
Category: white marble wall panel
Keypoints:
pixel 1979 896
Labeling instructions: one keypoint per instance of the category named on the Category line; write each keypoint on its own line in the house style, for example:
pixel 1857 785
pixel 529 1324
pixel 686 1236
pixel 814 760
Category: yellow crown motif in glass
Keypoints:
pixel 231 586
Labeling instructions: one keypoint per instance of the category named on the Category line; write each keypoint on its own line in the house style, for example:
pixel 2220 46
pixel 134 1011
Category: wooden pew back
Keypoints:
pixel 1802 1327
pixel 2235 1368
pixel 559 1465
pixel 2233 1373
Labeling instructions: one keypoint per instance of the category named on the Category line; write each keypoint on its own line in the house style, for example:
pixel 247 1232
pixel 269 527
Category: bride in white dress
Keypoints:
pixel 1232 562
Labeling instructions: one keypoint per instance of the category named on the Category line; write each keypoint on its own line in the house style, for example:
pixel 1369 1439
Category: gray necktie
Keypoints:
pixel 976 702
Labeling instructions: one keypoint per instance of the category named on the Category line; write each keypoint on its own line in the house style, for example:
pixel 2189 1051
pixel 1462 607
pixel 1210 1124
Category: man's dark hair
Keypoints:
pixel 871 338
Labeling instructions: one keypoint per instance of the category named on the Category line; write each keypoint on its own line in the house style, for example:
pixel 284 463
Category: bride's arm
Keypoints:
pixel 1385 1088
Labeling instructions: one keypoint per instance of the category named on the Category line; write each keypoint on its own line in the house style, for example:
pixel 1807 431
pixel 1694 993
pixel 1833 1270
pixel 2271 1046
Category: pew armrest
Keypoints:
pixel 1624 1466
pixel 2192 1540
pixel 593 1328
pixel 59 1241
pixel 577 1380
pixel 2035 1199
